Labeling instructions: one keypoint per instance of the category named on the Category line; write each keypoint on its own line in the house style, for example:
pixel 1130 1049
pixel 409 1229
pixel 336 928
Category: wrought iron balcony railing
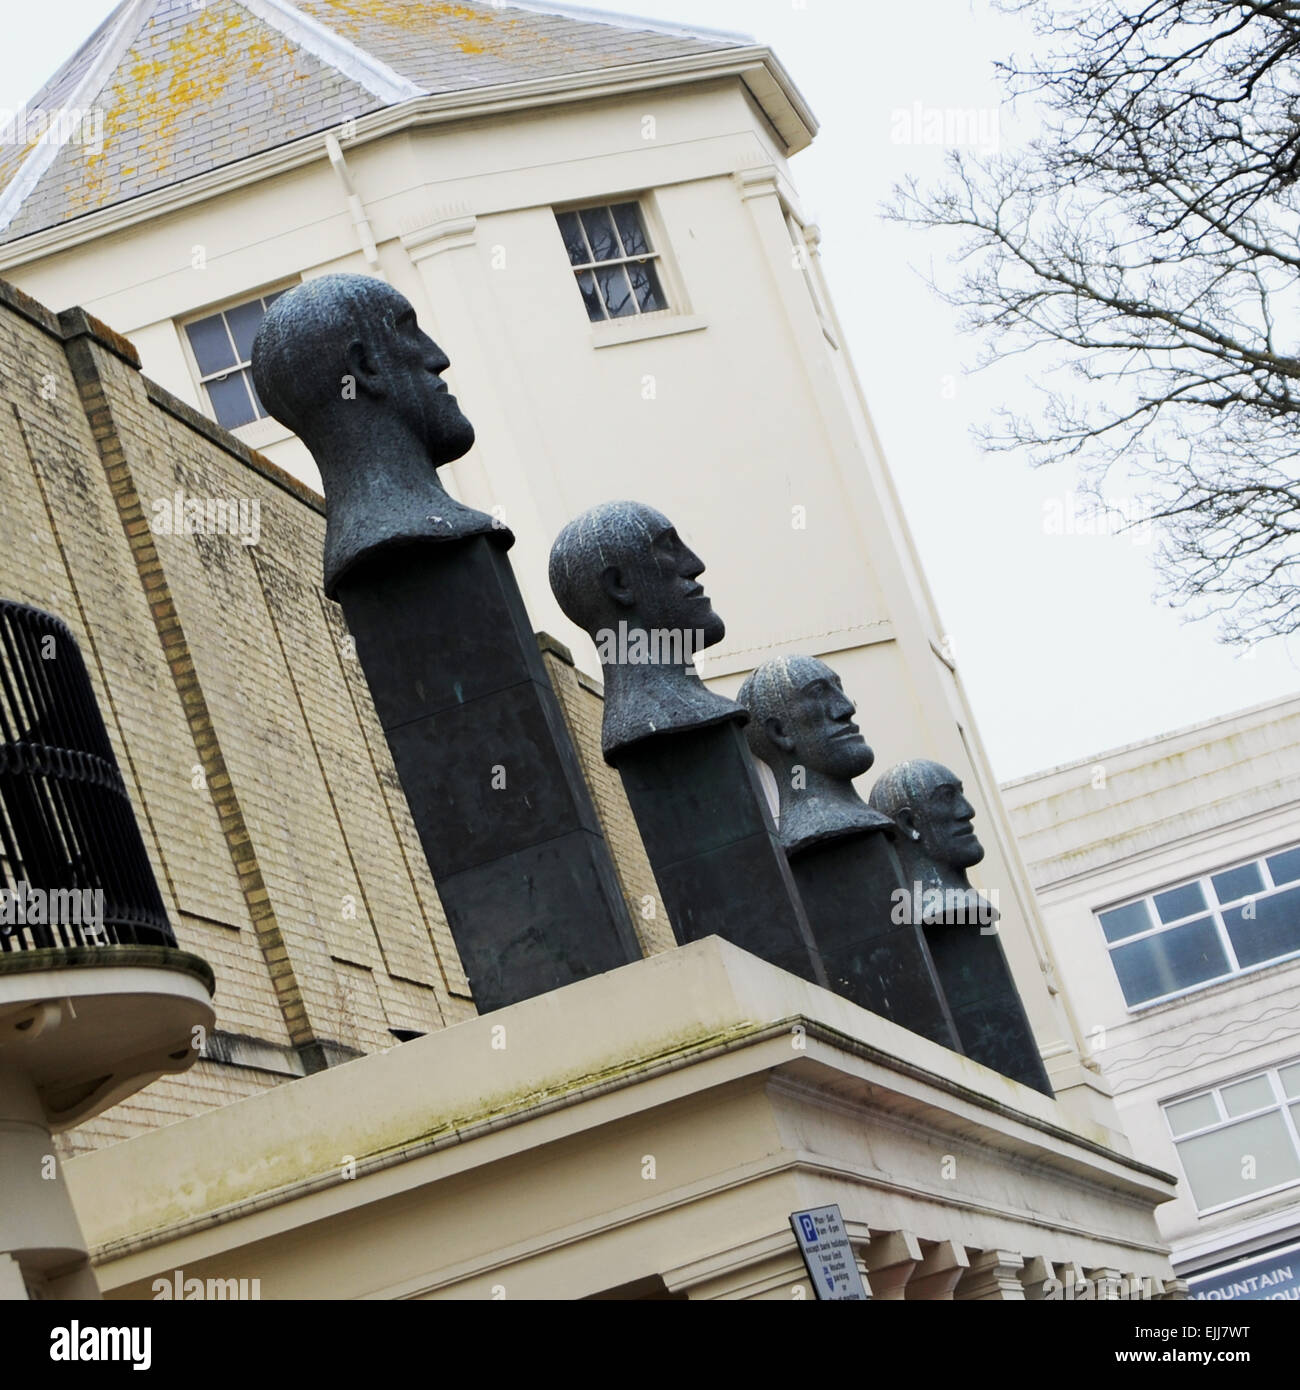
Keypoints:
pixel 73 867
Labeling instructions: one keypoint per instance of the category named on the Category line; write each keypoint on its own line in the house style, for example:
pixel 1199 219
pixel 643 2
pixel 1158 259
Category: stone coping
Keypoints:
pixel 76 323
pixel 670 1020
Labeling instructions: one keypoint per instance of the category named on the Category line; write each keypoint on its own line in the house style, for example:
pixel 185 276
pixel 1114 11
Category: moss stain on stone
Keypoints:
pixel 313 1161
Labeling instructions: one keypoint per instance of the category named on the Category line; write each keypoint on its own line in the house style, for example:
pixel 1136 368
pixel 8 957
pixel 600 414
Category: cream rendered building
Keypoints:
pixel 1169 876
pixel 249 144
pixel 645 1133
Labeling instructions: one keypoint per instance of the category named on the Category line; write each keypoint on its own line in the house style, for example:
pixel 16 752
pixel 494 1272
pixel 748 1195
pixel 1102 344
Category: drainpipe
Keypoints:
pixel 355 206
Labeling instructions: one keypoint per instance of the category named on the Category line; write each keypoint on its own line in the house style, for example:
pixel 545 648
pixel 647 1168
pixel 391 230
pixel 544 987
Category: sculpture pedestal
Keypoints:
pixel 703 819
pixel 847 885
pixel 989 1017
pixel 488 768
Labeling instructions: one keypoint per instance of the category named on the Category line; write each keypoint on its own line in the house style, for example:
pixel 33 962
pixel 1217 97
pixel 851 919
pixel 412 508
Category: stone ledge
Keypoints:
pixel 105 957
pixel 77 323
pixel 706 1025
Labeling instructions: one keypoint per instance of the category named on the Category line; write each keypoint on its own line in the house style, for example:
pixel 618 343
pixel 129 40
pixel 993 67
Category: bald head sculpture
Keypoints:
pixel 801 725
pixel 937 844
pixel 342 362
pixel 622 573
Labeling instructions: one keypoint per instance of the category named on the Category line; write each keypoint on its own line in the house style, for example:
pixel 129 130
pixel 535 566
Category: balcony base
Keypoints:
pixel 90 1026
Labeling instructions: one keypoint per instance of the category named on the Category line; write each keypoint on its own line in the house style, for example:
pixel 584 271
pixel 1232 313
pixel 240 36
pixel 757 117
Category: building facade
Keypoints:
pixel 1169 877
pixel 643 1133
pixel 596 219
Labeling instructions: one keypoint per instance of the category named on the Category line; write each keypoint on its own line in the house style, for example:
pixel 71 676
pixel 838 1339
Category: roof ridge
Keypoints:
pixel 332 49
pixel 627 21
pixel 33 168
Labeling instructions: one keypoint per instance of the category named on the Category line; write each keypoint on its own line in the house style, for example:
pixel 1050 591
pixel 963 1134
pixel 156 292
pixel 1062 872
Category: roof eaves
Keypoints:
pixel 430 108
pixel 30 172
pixel 1110 754
pixel 332 49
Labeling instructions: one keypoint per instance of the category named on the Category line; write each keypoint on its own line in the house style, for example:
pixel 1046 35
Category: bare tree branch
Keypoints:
pixel 1150 235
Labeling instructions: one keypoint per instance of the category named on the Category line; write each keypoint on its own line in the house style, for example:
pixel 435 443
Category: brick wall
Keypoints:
pixel 261 779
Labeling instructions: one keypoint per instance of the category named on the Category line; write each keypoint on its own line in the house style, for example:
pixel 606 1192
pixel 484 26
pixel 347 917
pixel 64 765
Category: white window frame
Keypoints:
pixel 1281 1101
pixel 259 423
pixel 668 282
pixel 1214 910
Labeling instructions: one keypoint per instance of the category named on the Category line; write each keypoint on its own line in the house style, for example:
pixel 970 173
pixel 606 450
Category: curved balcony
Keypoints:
pixel 96 1001
pixel 73 868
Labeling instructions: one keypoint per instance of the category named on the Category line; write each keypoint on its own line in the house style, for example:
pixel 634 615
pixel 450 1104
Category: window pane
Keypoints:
pixel 616 291
pixel 1238 883
pixel 645 285
pixel 230 401
pixel 1244 1096
pixel 260 411
pixel 1169 961
pixel 211 344
pixel 1196 1113
pixel 1291 1079
pixel 244 321
pixel 1266 927
pixel 1217 1164
pixel 1125 921
pixel 574 242
pixel 1180 902
pixel 269 299
pixel 600 232
pixel 628 217
pixel 1285 867
pixel 591 296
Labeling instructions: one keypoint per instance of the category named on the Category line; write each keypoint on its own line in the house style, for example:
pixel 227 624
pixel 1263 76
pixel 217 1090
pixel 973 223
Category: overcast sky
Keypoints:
pixel 1062 649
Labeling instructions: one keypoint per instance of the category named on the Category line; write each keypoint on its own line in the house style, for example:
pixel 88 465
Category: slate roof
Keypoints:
pixel 181 89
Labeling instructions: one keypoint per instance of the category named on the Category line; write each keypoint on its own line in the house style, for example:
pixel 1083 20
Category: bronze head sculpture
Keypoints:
pixel 624 575
pixel 937 844
pixel 801 725
pixel 341 361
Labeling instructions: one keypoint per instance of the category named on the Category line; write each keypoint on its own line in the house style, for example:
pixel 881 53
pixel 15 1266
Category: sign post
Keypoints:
pixel 828 1255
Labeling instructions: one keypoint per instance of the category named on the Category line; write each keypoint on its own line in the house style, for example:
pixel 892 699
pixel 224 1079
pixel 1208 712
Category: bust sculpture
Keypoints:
pixel 937 844
pixel 341 361
pixel 430 599
pixel 801 725
pixel 624 575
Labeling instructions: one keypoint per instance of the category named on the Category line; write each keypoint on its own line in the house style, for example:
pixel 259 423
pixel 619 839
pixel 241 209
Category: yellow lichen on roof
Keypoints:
pixel 399 15
pixel 160 87
pixel 356 20
pixel 258 51
pixel 13 160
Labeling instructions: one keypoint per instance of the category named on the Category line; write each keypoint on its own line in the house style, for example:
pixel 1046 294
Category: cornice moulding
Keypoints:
pixel 446 234
pixel 757 67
